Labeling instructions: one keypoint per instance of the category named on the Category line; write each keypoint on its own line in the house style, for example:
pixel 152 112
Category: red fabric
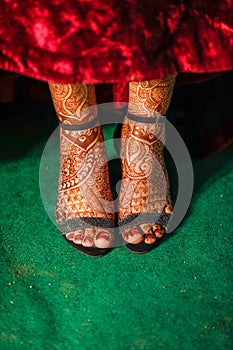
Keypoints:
pixel 115 41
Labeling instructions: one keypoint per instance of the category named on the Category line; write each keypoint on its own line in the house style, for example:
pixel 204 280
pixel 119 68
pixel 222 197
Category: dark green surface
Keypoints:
pixel 179 296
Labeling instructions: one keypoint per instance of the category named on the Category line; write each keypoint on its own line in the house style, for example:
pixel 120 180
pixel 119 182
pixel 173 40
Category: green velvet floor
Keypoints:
pixel 179 296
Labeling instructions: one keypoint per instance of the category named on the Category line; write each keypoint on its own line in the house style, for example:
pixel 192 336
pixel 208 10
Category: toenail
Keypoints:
pixel 103 235
pixel 88 240
pixel 70 236
pixel 158 231
pixel 150 237
pixel 135 232
pixel 78 238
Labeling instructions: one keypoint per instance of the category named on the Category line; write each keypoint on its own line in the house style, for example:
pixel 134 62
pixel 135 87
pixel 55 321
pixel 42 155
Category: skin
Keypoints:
pixel 142 160
pixel 84 193
pixel 84 189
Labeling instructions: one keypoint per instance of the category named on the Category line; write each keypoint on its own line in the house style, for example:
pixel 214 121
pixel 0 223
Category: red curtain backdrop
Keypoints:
pixel 115 41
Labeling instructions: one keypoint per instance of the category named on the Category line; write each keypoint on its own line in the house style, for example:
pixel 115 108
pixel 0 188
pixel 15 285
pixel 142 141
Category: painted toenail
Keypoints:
pixel 150 237
pixel 70 236
pixel 103 235
pixel 135 232
pixel 78 238
pixel 88 240
pixel 158 231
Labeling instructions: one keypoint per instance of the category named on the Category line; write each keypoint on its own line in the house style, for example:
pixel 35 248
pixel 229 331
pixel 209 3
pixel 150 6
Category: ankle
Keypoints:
pixel 82 135
pixel 149 131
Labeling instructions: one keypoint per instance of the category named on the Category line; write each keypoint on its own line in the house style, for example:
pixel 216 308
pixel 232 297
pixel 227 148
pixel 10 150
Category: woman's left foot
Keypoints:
pixel 144 203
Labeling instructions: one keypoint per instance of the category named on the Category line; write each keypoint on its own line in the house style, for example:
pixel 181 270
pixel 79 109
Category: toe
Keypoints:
pixel 88 237
pixel 133 235
pixel 78 237
pixel 150 237
pixel 70 236
pixel 103 239
pixel 158 230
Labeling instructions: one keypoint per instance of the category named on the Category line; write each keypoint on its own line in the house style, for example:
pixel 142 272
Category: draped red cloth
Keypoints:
pixel 115 41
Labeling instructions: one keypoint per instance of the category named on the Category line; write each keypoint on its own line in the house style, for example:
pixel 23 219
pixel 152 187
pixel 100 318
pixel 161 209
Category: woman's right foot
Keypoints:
pixel 84 190
pixel 84 206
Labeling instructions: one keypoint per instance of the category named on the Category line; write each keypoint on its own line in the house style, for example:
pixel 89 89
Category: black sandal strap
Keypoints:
pixel 87 222
pixel 138 219
pixel 88 125
pixel 156 120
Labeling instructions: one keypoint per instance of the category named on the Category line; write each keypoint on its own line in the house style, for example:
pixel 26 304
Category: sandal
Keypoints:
pixel 84 208
pixel 144 203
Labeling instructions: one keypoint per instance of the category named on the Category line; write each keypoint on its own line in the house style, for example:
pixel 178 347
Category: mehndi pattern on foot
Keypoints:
pixel 145 204
pixel 145 196
pixel 84 210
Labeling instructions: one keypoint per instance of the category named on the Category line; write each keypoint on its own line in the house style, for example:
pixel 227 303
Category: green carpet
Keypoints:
pixel 179 296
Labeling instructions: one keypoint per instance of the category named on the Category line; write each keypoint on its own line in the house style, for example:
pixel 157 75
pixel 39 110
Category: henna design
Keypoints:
pixel 84 188
pixel 145 185
pixel 74 103
pixel 151 98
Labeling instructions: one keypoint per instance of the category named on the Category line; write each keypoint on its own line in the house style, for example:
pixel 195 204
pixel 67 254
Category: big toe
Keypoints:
pixel 103 239
pixel 133 235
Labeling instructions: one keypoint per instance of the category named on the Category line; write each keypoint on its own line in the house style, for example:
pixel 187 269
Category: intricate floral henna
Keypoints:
pixel 152 97
pixel 145 186
pixel 74 103
pixel 84 189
